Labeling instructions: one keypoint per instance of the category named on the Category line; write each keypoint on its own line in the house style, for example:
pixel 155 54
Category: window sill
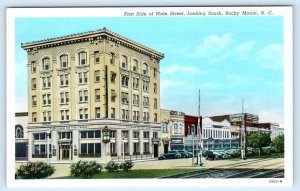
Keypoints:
pixel 49 105
pixel 81 102
pixel 82 84
pixel 63 86
pixel 46 88
pixel 64 104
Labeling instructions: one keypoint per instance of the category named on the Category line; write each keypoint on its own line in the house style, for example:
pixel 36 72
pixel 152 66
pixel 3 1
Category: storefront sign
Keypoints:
pixel 177 141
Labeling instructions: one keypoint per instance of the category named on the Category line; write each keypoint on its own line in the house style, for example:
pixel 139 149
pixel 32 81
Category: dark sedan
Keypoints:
pixel 169 156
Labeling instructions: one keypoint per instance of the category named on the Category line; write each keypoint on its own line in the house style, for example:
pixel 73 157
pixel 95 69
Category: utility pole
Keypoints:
pixel 199 133
pixel 243 134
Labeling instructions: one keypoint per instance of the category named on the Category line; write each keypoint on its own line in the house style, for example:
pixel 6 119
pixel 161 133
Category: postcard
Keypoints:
pixel 150 97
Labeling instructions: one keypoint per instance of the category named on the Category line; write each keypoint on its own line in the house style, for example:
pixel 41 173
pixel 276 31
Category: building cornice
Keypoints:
pixel 92 37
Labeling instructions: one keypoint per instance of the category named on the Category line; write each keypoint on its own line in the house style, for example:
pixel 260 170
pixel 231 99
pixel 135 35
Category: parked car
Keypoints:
pixel 175 152
pixel 169 156
pixel 185 154
pixel 209 155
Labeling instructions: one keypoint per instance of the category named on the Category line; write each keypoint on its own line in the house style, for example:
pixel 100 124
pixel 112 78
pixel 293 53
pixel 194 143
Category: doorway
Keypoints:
pixel 166 148
pixel 155 150
pixel 65 154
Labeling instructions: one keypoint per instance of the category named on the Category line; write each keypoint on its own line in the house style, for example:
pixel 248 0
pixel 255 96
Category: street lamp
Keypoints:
pixel 105 138
pixel 47 134
pixel 123 147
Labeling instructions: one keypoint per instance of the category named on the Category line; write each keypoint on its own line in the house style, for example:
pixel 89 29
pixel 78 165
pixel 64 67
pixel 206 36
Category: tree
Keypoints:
pixel 278 143
pixel 257 140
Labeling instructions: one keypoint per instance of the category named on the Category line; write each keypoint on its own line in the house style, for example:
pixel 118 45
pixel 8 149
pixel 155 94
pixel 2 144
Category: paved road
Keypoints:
pixel 64 169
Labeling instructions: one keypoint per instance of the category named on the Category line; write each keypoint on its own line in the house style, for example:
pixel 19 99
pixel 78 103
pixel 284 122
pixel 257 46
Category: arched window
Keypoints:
pixel 46 63
pixel 145 69
pixel 165 127
pixel 19 133
pixel 124 62
pixel 180 129
pixel 175 128
pixel 135 66
pixel 82 58
pixel 63 61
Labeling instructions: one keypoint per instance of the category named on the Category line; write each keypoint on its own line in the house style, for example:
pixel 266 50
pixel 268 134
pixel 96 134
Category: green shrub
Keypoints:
pixel 35 170
pixel 85 169
pixel 126 165
pixel 111 166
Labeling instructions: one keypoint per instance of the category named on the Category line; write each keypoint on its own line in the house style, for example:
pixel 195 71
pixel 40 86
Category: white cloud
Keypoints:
pixel 274 116
pixel 271 57
pixel 243 50
pixel 214 47
pixel 178 68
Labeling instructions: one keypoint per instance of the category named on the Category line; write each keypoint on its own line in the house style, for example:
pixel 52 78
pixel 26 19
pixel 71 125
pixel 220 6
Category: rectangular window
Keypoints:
pixel 80 78
pixel 112 58
pixel 113 113
pixel 62 97
pixel 83 148
pixel 97 112
pixel 113 77
pixel 97 57
pixel 67 115
pixel 155 103
pixel 154 72
pixel 62 115
pixel 62 80
pixel 125 134
pixel 80 113
pixel 97 148
pixel 97 94
pixel 124 98
pixel 49 115
pixel 154 88
pixel 33 67
pixel 49 99
pixel 91 148
pixel 136 134
pixel 34 119
pixel 155 117
pixel 67 79
pixel 136 147
pixel 155 135
pixel 113 95
pixel 97 76
pixel 49 81
pixel 145 86
pixel 33 83
pixel 85 77
pixel 67 97
pixel 113 134
pixel 125 80
pixel 146 135
pixel 65 135
pixel 113 148
pixel 146 101
pixel 80 96
pixel 82 58
pixel 146 147
pixel 86 115
pixel 85 95
pixel 33 101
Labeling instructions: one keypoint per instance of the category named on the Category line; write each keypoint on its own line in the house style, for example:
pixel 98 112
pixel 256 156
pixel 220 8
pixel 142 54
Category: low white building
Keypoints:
pixel 215 134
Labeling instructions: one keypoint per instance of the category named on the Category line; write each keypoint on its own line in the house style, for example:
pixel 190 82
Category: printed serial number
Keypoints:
pixel 275 181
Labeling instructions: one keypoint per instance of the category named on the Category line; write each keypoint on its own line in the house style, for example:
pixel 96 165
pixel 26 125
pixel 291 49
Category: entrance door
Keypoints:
pixel 155 150
pixel 166 148
pixel 65 154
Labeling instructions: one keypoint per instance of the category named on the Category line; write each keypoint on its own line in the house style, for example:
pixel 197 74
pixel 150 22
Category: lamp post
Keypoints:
pixel 47 134
pixel 123 147
pixel 105 139
pixel 193 149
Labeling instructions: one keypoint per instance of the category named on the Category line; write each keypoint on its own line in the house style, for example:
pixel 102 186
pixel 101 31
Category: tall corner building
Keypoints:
pixel 80 83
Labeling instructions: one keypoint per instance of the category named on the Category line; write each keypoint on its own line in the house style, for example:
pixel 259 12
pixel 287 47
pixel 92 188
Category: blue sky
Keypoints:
pixel 228 58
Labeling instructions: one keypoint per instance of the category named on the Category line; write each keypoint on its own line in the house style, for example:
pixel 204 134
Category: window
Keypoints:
pixel 136 147
pixel 34 118
pixel 19 133
pixel 145 86
pixel 155 103
pixel 155 135
pixel 64 80
pixel 64 115
pixel 126 147
pixel 46 99
pixel 135 66
pixel 165 127
pixel 63 61
pixel 97 112
pixel 113 113
pixel 97 94
pixel 175 128
pixel 154 72
pixel 135 83
pixel 33 101
pixel 82 58
pixel 113 148
pixel 33 83
pixel 125 114
pixel 146 116
pixel 41 149
pixel 83 114
pixel 97 57
pixel 136 115
pixel 46 63
pixel 155 117
pixel 125 134
pixel 136 134
pixel 90 134
pixel 154 88
pixel 135 100
pixel 97 76
pixel 125 98
pixel 113 134
pixel 146 135
pixel 47 116
pixel 112 58
pixel 113 95
pixel 46 82
pixel 145 101
pixel 67 97
pixel 124 62
pixel 33 67
pixel 180 128
pixel 145 69
pixel 125 80
pixel 146 147
pixel 40 136
pixel 83 96
pixel 62 97
pixel 113 77
pixel 82 77
pixel 65 135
